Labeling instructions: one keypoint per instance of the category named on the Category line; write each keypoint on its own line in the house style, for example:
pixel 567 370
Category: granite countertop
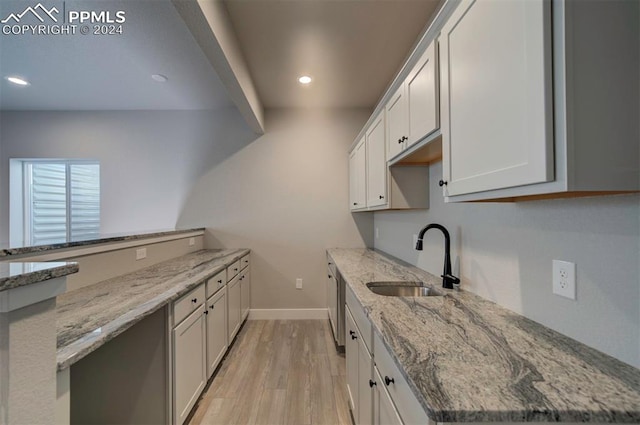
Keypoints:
pixel 14 275
pixel 470 360
pixel 89 317
pixel 7 251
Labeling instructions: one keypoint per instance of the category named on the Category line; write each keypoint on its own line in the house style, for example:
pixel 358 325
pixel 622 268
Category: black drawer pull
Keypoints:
pixel 206 312
pixel 372 383
pixel 211 306
pixel 388 380
pixel 220 281
pixel 195 300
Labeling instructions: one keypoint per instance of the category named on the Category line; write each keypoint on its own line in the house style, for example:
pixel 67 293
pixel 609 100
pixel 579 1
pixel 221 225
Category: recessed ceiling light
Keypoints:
pixel 17 80
pixel 305 79
pixel 159 78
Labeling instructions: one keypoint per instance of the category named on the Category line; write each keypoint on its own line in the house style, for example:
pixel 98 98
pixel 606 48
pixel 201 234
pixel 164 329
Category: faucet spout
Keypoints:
pixel 448 279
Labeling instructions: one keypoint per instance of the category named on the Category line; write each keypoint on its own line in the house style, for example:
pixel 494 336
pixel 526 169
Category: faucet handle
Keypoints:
pixel 450 281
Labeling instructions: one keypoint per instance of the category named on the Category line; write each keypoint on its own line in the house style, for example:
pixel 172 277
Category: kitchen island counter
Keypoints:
pixel 89 317
pixel 467 359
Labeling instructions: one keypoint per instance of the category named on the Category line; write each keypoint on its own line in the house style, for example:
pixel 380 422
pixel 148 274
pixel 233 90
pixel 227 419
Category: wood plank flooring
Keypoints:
pixel 278 372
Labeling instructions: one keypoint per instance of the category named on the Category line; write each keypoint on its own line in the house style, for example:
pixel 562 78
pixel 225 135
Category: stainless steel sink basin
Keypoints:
pixel 402 289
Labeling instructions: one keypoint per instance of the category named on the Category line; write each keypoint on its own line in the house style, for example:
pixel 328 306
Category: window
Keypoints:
pixel 61 201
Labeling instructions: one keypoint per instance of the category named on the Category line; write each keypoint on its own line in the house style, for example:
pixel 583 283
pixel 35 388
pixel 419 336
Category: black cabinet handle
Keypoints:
pixel 329 276
pixel 372 383
pixel 220 281
pixel 355 203
pixel 211 306
pixel 442 183
pixel 381 197
pixel 206 312
pixel 195 300
pixel 399 141
pixel 388 380
pixel 404 138
pixel 353 335
pixel 235 269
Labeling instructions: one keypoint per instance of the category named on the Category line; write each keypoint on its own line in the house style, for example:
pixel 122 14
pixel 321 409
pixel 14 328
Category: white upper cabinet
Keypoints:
pixel 376 164
pixel 397 123
pixel 422 93
pixel 525 109
pixel 358 177
pixel 413 110
pixel 496 82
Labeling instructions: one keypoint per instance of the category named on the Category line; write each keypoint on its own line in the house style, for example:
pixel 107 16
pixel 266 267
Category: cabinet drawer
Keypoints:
pixel 406 403
pixel 359 316
pixel 245 261
pixel 216 282
pixel 189 302
pixel 233 270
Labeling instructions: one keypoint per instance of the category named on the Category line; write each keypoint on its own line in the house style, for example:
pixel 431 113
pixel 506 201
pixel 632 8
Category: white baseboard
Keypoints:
pixel 288 314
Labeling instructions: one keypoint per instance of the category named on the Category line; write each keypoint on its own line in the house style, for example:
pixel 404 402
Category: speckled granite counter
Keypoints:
pixel 7 252
pixel 13 275
pixel 470 360
pixel 89 317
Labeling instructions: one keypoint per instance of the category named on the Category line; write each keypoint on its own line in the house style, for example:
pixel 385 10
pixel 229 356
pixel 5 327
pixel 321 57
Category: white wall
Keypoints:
pixel 503 252
pixel 285 196
pixel 148 159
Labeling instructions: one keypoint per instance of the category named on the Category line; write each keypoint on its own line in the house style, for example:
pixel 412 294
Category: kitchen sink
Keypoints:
pixel 403 289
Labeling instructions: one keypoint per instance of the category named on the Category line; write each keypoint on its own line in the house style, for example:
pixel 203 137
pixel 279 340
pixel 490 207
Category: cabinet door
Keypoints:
pixel 233 307
pixel 384 412
pixel 396 115
pixel 332 300
pixel 376 164
pixel 496 96
pixel 351 354
pixel 365 392
pixel 422 97
pixel 358 176
pixel 245 292
pixel 216 330
pixel 189 363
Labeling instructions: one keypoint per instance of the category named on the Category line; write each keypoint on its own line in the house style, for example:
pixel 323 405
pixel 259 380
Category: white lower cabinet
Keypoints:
pixel 365 384
pixel 351 356
pixel 245 293
pixel 384 412
pixel 378 393
pixel 234 307
pixel 189 362
pixel 216 329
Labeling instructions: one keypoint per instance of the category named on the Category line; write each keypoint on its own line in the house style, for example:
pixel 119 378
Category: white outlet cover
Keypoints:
pixel 564 279
pixel 298 283
pixel 141 253
pixel 192 241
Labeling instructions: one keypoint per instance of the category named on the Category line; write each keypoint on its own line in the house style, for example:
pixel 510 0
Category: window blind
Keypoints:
pixel 62 201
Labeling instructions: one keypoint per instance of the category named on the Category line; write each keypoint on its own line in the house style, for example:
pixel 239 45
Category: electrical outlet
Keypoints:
pixel 192 241
pixel 564 279
pixel 377 233
pixel 414 241
pixel 298 283
pixel 141 253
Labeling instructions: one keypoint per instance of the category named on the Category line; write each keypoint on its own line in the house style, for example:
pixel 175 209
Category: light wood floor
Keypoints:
pixel 278 372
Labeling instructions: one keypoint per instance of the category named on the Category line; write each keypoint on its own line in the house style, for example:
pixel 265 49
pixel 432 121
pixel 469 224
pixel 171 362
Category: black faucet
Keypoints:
pixel 448 280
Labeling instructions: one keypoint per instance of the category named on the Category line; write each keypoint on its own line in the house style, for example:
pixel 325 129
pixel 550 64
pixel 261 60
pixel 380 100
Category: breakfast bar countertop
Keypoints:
pixel 470 360
pixel 89 317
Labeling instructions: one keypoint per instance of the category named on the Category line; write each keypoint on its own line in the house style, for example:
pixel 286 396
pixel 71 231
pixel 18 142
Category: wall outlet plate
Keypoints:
pixel 298 283
pixel 192 241
pixel 141 253
pixel 564 279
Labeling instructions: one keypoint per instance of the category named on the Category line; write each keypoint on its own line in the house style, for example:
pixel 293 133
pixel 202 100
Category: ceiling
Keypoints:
pixel 351 48
pixel 109 72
